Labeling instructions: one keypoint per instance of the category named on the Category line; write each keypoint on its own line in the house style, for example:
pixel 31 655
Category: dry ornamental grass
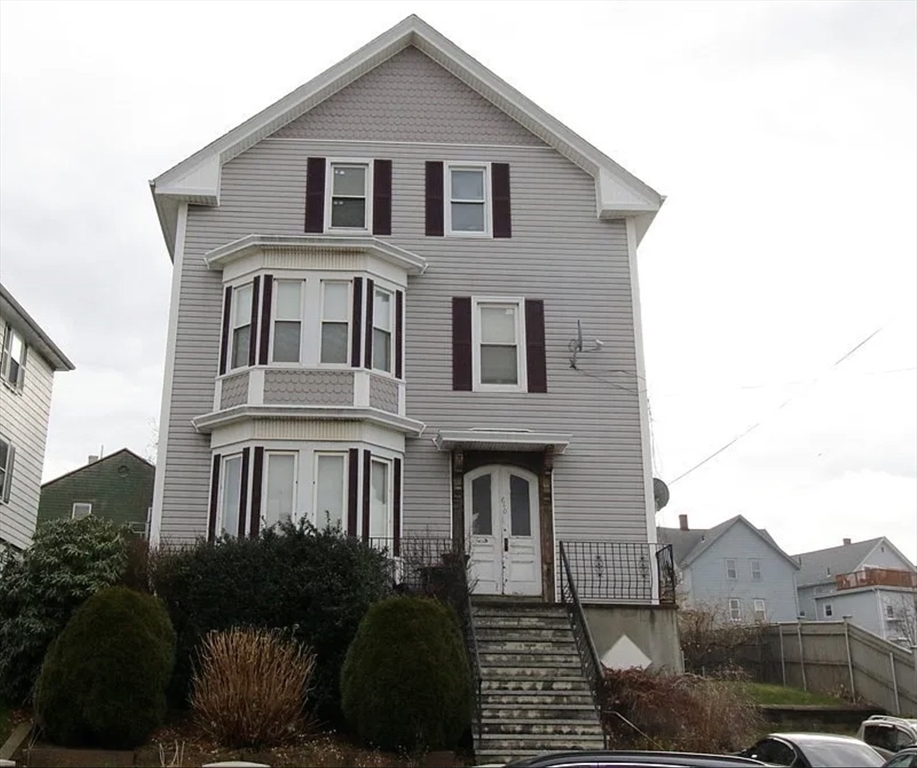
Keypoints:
pixel 249 686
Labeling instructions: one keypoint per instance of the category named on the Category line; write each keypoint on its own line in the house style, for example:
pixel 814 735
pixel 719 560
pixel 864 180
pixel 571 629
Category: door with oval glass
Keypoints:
pixel 501 518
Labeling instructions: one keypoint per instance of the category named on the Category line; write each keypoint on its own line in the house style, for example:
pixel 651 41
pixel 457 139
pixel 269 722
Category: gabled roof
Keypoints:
pixel 687 546
pixel 102 460
pixel 822 565
pixel 31 331
pixel 196 179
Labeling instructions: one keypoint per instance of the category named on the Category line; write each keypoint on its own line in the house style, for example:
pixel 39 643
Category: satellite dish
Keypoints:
pixel 661 493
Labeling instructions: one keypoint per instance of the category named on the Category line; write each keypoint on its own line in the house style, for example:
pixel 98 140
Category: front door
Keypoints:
pixel 501 518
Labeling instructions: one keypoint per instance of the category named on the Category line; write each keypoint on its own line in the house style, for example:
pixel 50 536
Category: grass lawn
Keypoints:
pixel 765 694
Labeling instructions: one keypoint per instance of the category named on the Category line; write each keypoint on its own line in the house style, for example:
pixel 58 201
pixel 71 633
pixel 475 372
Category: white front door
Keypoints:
pixel 501 517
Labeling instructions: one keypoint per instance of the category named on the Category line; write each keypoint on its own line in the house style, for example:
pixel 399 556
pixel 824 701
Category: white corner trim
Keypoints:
pixel 165 412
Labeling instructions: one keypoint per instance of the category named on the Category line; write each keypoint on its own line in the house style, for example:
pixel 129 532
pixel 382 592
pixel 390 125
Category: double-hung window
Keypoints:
pixel 498 335
pixel 756 570
pixel 330 489
pixel 280 490
pixel 288 314
pixel 467 204
pixel 348 189
pixel 335 322
pixel 12 366
pixel 828 610
pixel 380 508
pixel 241 326
pixel 231 495
pixel 735 609
pixel 760 608
pixel 382 330
pixel 7 454
pixel 731 570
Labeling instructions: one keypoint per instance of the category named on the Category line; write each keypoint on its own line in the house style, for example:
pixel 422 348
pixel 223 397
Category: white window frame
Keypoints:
pixel 734 570
pixel 267 481
pixel 827 610
pixel 735 609
pixel 477 302
pixel 890 612
pixel 222 493
pixel 9 334
pixel 344 455
pixel 389 522
pixel 6 479
pixel 301 319
pixel 80 504
pixel 390 331
pixel 447 199
pixel 330 163
pixel 234 305
pixel 755 571
pixel 349 321
pixel 759 609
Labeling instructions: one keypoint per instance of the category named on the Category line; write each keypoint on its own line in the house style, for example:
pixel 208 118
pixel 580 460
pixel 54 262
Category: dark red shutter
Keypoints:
pixel 367 470
pixel 434 194
pixel 353 486
pixel 243 491
pixel 266 300
pixel 257 485
pixel 536 364
pixel 227 319
pixel 356 329
pixel 315 194
pixel 396 508
pixel 461 343
pixel 399 334
pixel 499 182
pixel 382 197
pixel 370 299
pixel 214 497
pixel 253 336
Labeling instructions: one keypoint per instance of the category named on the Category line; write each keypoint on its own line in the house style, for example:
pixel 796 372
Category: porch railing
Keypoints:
pixel 612 571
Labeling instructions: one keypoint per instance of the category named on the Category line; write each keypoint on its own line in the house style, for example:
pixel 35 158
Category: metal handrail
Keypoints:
pixel 471 644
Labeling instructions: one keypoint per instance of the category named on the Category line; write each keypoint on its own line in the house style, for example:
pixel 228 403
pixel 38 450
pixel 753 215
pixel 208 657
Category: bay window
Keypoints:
pixel 330 490
pixel 335 322
pixel 231 495
pixel 241 326
pixel 382 330
pixel 280 491
pixel 288 314
pixel 380 513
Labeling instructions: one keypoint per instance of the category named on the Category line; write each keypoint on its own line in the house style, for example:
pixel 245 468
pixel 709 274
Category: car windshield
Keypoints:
pixel 823 754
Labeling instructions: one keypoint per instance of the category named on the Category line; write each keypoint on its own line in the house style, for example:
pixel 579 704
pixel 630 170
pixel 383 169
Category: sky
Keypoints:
pixel 782 134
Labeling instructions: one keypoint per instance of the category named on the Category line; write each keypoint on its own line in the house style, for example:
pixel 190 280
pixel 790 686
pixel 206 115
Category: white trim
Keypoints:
pixel 517 440
pixel 221 491
pixel 367 164
pixel 165 412
pixel 361 387
pixel 477 302
pixel 300 318
pixel 207 422
pixel 255 386
pixel 487 202
pixel 434 144
pixel 233 328
pixel 348 320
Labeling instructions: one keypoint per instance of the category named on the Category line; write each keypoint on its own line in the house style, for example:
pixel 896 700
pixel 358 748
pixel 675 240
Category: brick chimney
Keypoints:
pixel 683 522
pixel 846 542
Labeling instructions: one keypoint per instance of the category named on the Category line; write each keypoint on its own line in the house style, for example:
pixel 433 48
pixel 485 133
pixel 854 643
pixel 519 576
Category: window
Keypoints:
pixel 330 491
pixel 241 326
pixel 760 609
pixel 889 611
pixel 81 509
pixel 382 330
pixel 231 496
pixel 756 570
pixel 731 572
pixel 350 203
pixel 335 322
pixel 280 492
pixel 380 524
pixel 827 610
pixel 466 200
pixel 735 609
pixel 7 454
pixel 12 365
pixel 288 315
pixel 499 338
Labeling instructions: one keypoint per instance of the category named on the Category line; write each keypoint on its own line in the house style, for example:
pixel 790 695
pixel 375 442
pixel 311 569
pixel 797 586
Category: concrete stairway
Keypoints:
pixel 535 697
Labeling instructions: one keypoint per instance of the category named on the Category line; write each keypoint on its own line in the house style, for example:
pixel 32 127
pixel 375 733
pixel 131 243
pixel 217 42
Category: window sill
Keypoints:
pixel 471 235
pixel 16 390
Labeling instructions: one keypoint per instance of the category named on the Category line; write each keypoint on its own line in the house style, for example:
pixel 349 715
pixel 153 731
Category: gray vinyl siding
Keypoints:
pixel 559 252
pixel 862 608
pixel 883 556
pixel 710 586
pixel 24 422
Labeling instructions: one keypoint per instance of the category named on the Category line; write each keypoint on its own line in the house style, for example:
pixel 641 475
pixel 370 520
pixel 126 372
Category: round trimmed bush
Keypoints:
pixel 405 683
pixel 103 680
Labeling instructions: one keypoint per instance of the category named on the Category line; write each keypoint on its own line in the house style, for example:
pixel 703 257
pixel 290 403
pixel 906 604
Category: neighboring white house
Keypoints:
pixel 871 582
pixel 734 568
pixel 29 360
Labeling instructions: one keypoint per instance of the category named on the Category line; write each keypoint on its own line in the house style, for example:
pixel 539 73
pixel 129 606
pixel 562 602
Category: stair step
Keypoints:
pixel 521 622
pixel 529 672
pixel 528 646
pixel 497 679
pixel 556 727
pixel 540 712
pixel 525 661
pixel 517 744
pixel 499 757
pixel 536 610
pixel 543 700
pixel 523 634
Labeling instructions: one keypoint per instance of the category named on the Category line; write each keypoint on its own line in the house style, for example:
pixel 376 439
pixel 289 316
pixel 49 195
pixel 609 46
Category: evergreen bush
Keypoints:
pixel 405 684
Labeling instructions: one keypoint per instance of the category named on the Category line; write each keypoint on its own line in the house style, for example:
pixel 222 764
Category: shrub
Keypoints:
pixel 714 645
pixel 249 686
pixel 650 710
pixel 405 683
pixel 68 561
pixel 103 680
pixel 316 583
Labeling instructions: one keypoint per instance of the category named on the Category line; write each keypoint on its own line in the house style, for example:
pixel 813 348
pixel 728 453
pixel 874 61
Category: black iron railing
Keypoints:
pixel 610 571
pixel 474 662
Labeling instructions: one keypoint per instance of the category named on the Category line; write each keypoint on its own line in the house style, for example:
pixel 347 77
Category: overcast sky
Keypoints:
pixel 783 135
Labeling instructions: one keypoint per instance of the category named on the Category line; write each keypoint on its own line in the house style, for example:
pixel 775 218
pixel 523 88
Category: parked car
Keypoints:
pixel 889 733
pixel 633 758
pixel 906 758
pixel 814 750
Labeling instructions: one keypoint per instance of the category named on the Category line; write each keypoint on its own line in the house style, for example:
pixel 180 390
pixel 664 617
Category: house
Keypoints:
pixel 869 582
pixel 117 487
pixel 736 569
pixel 29 361
pixel 402 299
